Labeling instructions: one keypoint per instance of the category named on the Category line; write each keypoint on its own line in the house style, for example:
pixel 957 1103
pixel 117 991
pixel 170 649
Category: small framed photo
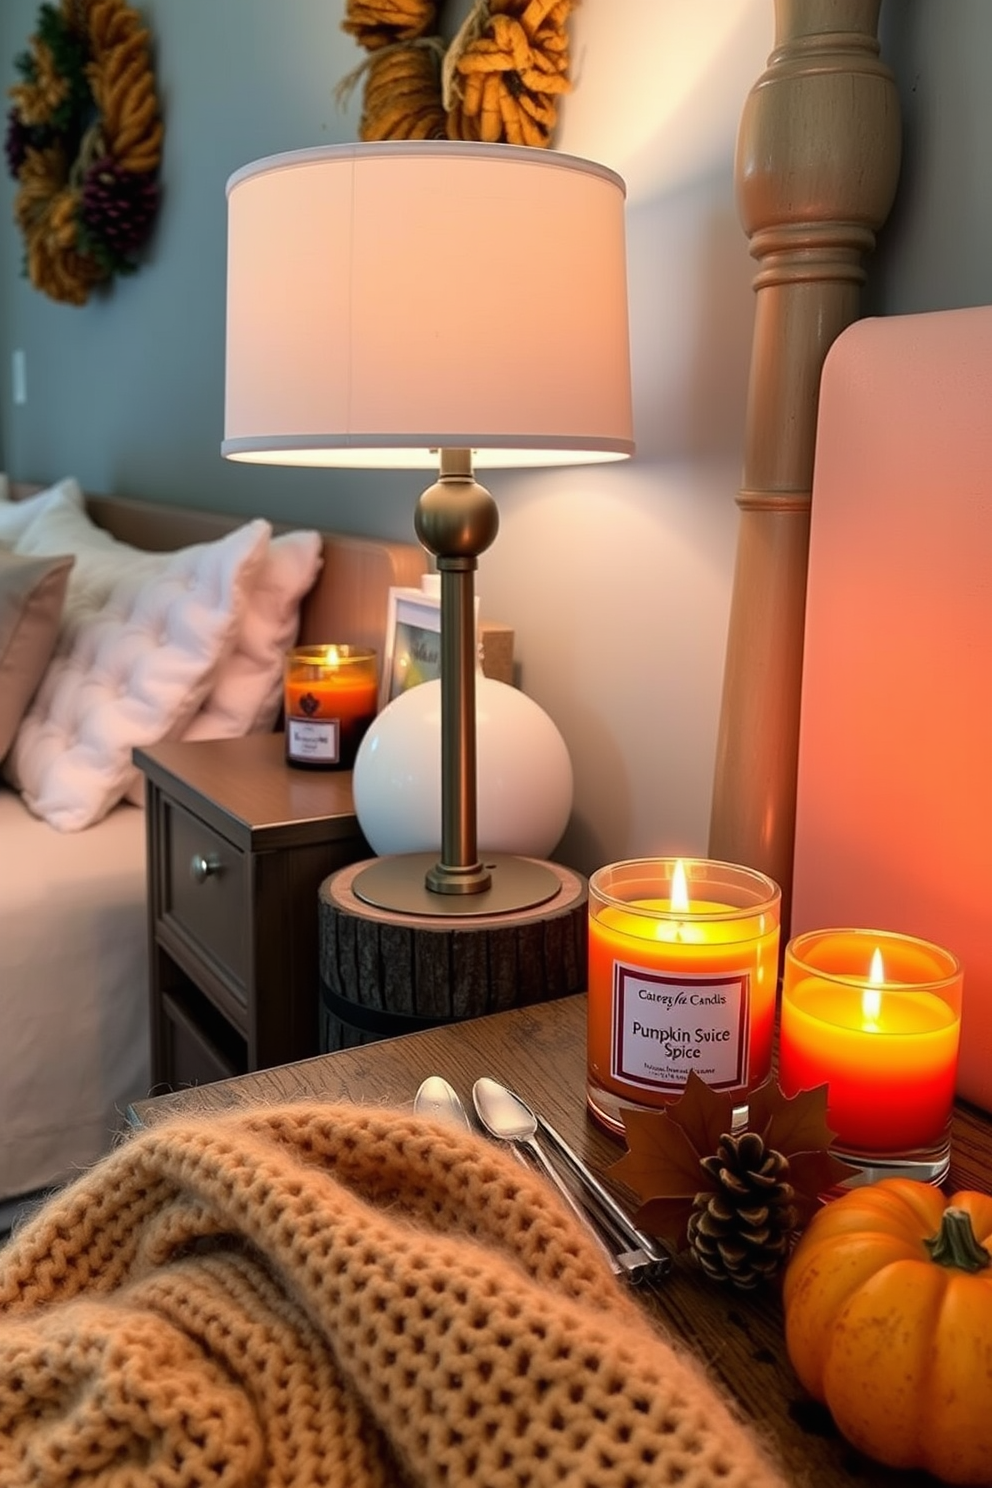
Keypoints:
pixel 412 651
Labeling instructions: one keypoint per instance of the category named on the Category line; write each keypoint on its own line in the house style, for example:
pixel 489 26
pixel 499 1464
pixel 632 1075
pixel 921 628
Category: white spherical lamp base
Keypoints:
pixel 525 780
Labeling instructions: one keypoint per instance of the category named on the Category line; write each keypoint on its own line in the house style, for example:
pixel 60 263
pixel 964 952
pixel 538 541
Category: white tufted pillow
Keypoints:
pixel 246 690
pixel 63 525
pixel 17 516
pixel 134 672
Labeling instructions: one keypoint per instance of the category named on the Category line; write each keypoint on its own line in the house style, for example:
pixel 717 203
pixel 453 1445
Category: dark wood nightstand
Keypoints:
pixel 238 844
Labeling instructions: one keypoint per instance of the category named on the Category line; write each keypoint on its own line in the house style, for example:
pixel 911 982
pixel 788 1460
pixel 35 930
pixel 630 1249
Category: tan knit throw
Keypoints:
pixel 333 1295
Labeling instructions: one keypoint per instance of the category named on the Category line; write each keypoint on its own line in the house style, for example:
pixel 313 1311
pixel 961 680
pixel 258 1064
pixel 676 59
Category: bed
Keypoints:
pixel 73 953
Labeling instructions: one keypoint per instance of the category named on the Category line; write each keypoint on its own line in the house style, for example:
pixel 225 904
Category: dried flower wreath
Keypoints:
pixel 499 80
pixel 84 142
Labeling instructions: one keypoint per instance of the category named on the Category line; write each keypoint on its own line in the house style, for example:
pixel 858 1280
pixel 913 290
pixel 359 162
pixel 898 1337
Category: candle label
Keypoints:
pixel 313 741
pixel 665 1026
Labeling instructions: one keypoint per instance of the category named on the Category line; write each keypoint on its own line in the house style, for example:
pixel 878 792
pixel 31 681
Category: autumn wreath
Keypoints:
pixel 500 79
pixel 83 142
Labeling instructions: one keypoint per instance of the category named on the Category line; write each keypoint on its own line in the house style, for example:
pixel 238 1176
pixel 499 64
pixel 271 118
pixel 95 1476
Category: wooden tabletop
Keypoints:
pixel 540 1052
pixel 245 789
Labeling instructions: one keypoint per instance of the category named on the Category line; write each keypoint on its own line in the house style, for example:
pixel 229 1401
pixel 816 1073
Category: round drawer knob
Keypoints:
pixel 203 865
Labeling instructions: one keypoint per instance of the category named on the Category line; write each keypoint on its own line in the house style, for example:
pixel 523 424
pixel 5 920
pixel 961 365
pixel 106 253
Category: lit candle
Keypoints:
pixel 330 700
pixel 875 1017
pixel 683 966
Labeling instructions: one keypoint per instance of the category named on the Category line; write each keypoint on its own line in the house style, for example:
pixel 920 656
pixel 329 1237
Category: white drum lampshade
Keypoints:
pixel 525 781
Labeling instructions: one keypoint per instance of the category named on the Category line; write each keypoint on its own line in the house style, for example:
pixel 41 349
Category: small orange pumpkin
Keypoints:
pixel 888 1322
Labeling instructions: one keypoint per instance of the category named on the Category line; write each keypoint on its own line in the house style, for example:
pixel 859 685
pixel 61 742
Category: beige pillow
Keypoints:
pixel 32 593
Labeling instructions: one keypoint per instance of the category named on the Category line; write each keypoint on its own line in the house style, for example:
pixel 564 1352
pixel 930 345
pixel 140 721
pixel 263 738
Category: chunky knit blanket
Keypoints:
pixel 332 1295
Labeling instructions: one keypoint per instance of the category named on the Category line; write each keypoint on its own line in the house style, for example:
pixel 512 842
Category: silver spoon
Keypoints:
pixel 437 1099
pixel 505 1116
pixel 635 1238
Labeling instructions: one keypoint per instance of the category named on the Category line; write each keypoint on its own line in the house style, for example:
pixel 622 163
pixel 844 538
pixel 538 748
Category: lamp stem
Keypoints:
pixel 456 520
pixel 459 750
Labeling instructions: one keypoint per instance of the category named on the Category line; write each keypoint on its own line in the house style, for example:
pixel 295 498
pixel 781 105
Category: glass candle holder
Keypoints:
pixel 330 699
pixel 683 970
pixel 876 1017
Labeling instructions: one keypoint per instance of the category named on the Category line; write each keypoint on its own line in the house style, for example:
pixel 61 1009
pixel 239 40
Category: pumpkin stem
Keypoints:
pixel 955 1243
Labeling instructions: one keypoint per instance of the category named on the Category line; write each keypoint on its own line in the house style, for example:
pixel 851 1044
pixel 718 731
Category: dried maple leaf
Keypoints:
pixel 661 1166
pixel 665 1149
pixel 666 1219
pixel 789 1124
pixel 704 1114
pixel 655 1146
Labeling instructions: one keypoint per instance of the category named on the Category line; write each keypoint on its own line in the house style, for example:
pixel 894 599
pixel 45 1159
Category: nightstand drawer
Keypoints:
pixel 238 846
pixel 206 893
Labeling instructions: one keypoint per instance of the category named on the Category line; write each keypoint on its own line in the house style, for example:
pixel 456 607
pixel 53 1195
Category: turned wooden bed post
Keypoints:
pixel 816 170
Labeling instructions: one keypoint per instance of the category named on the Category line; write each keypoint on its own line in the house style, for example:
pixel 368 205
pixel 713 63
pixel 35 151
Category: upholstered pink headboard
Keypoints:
pixel 894 810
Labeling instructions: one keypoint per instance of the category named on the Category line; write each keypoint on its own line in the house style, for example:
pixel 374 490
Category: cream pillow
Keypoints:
pixel 32 592
pixel 62 525
pixel 17 516
pixel 134 672
pixel 246 693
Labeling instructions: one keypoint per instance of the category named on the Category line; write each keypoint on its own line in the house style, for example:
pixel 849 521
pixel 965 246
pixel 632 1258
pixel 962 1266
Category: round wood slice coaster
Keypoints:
pixel 383 973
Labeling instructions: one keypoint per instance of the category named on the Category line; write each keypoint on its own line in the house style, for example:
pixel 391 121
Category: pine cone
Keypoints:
pixel 119 206
pixel 741 1233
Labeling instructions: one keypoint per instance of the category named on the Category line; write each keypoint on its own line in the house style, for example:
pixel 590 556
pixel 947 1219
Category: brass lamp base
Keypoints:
pixel 398 883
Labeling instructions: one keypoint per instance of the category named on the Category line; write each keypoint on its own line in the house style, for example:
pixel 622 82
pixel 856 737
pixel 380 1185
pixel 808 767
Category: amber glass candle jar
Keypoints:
pixel 875 1015
pixel 683 966
pixel 330 700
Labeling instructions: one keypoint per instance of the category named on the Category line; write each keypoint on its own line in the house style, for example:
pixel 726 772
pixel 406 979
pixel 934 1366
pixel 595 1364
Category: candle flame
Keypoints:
pixel 680 889
pixel 871 999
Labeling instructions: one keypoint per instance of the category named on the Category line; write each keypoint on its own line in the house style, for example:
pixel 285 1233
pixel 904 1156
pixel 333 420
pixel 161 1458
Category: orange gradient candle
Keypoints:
pixel 330 698
pixel 683 968
pixel 876 1017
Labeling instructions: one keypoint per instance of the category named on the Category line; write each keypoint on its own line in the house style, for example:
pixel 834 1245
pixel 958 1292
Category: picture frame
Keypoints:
pixel 412 649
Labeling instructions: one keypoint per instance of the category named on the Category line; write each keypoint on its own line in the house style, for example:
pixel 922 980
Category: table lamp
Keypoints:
pixel 435 304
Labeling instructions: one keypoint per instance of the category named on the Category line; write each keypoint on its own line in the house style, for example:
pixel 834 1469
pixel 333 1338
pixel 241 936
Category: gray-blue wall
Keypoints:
pixel 936 251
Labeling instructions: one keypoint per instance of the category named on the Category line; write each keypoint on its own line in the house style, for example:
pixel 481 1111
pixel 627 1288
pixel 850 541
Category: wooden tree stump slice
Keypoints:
pixel 384 973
